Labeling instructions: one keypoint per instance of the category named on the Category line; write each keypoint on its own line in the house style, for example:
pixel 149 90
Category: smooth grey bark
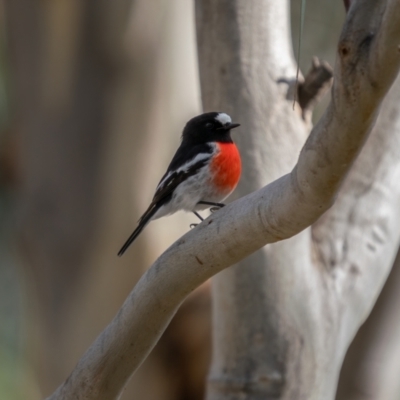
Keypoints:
pixel 245 76
pixel 371 367
pixel 373 359
pixel 302 297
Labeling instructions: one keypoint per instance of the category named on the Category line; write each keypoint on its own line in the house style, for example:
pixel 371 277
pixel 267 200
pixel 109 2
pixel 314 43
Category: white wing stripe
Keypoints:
pixel 186 166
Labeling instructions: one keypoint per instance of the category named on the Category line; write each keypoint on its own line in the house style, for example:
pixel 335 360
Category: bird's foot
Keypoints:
pixel 210 203
pixel 216 208
pixel 191 226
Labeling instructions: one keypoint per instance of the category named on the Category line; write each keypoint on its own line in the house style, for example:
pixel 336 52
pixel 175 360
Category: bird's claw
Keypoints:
pixel 214 209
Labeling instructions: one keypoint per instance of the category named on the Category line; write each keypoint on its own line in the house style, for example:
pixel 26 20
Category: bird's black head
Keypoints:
pixel 209 127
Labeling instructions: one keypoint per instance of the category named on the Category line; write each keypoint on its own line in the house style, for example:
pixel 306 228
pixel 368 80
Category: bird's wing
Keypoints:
pixel 186 163
pixel 173 178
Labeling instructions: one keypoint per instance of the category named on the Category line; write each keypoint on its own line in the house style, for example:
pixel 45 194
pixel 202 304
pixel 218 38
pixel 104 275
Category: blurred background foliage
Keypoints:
pixel 93 97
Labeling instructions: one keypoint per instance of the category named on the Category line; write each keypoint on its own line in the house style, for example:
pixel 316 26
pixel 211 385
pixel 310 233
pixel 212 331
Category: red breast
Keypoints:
pixel 226 167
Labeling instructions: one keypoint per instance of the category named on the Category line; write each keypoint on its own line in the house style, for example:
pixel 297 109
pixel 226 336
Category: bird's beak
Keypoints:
pixel 228 127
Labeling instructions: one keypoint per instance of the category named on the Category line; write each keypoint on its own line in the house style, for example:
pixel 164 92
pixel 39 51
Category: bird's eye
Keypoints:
pixel 209 125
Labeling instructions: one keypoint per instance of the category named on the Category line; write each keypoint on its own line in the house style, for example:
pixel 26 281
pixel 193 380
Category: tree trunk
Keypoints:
pixel 371 367
pixel 97 101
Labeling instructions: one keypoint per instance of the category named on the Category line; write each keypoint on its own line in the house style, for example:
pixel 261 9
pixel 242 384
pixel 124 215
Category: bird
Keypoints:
pixel 204 171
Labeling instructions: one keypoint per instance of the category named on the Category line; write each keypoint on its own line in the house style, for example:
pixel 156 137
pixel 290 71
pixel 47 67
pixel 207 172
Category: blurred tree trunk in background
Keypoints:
pixel 100 93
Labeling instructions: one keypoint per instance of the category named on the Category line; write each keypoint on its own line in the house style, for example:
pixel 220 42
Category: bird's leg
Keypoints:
pixel 197 215
pixel 216 206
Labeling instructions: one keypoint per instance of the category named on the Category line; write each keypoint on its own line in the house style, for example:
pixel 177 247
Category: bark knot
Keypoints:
pixel 344 50
pixel 199 261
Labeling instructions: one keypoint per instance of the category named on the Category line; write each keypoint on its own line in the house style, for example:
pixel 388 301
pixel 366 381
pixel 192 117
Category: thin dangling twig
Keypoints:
pixel 302 15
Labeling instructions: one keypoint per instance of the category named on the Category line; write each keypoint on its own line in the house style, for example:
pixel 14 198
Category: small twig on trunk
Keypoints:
pixel 317 82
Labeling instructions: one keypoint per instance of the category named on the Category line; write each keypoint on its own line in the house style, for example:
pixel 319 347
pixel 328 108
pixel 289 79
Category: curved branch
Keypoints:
pixel 276 212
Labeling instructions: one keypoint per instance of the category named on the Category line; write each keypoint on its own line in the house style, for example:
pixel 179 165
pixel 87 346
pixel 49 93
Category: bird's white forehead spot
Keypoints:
pixel 223 118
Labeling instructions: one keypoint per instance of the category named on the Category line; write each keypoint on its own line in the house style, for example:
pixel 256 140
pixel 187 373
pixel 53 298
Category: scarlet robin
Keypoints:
pixel 203 172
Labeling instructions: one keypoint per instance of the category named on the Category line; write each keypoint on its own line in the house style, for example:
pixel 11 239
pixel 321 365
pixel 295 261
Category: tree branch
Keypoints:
pixel 276 212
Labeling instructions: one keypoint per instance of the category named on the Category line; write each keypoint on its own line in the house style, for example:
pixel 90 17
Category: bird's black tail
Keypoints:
pixel 142 223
